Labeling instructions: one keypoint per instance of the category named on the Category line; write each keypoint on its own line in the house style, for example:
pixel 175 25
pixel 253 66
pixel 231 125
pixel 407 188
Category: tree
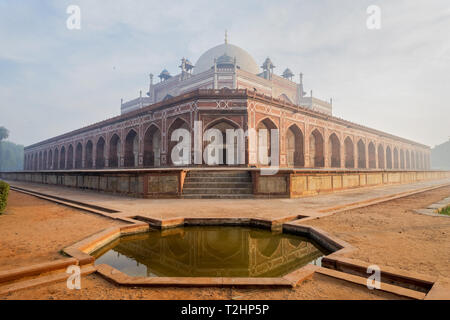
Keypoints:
pixel 4 133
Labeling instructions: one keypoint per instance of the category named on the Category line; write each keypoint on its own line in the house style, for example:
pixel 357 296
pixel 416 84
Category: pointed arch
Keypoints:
pixel 79 156
pixel 178 123
pixel 294 147
pixel 265 147
pixel 40 161
pixel 408 160
pixel 62 158
pixel 56 159
pixel 114 151
pixel 381 164
pixel 417 160
pixel 88 155
pixel 372 156
pixel 152 146
pixel 361 148
pixel 45 159
pixel 388 157
pixel 223 124
pixel 402 159
pixel 396 164
pixel 100 153
pixel 50 159
pixel 131 157
pixel 316 149
pixel 334 146
pixel 349 153
pixel 70 157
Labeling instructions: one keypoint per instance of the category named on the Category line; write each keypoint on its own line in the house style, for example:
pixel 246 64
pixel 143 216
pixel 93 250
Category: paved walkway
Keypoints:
pixel 255 208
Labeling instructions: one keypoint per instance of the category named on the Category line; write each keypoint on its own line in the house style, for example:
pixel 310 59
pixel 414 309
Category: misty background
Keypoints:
pixel 54 80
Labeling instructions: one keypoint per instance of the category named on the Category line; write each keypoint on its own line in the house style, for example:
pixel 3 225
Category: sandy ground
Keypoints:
pixel 34 230
pixel 385 234
pixel 390 234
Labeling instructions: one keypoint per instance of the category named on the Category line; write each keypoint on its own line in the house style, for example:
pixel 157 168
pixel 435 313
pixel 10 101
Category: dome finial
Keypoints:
pixel 226 36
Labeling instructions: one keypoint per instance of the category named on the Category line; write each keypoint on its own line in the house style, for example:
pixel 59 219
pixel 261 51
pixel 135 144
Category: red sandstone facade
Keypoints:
pixel 308 139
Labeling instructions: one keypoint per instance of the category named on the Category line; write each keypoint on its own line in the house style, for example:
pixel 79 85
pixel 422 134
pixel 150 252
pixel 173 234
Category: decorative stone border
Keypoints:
pixel 85 247
pixel 435 208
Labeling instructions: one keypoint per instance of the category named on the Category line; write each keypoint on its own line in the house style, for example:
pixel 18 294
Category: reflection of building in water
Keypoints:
pixel 225 251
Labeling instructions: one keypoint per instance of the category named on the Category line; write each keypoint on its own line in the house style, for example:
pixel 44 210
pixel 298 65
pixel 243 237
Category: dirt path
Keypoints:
pixel 34 231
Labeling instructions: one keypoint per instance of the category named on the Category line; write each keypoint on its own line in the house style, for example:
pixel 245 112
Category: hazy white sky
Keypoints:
pixel 396 79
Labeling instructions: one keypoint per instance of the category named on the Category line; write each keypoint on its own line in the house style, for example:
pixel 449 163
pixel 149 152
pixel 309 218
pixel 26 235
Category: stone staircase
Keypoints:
pixel 218 185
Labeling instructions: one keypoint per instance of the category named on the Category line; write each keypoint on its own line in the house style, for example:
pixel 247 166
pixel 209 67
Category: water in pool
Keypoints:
pixel 212 251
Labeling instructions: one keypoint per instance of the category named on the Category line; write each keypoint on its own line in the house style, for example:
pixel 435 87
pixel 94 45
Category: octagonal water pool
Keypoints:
pixel 210 251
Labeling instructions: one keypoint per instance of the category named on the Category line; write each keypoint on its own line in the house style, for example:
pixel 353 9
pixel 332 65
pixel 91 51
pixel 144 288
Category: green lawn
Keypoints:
pixel 445 211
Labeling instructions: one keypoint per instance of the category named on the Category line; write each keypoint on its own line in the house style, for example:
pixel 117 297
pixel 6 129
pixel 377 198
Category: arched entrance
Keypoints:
pixel 361 154
pixel 50 160
pixel 388 157
pixel 40 161
pixel 335 151
pixel 88 157
pixel 114 151
pixel 402 159
pixel 418 160
pixel 70 158
pixel 62 158
pixel 131 149
pixel 316 151
pixel 55 159
pixel 152 147
pixel 178 154
pixel 264 152
pixel 294 147
pixel 372 156
pixel 349 153
pixel 44 164
pixel 396 166
pixel 100 154
pixel 236 147
pixel 381 157
pixel 79 156
pixel 408 161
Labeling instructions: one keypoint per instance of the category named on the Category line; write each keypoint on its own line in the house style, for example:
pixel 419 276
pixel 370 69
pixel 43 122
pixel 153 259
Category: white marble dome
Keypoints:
pixel 243 59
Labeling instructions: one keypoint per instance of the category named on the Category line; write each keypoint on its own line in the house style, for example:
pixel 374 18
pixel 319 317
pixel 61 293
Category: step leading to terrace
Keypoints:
pixel 218 185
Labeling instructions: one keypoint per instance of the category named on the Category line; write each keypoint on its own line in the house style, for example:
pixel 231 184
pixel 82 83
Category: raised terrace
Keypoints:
pixel 231 183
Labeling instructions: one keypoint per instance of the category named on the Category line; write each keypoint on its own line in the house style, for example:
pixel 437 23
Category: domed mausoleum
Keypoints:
pixel 227 89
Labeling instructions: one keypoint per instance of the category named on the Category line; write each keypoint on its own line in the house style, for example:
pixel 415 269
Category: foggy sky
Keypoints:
pixel 396 79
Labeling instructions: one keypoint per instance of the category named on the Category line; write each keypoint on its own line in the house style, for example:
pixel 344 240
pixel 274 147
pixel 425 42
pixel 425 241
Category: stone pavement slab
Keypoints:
pixel 203 208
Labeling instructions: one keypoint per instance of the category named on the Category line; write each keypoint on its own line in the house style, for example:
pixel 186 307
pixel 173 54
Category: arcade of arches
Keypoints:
pixel 306 139
pixel 349 155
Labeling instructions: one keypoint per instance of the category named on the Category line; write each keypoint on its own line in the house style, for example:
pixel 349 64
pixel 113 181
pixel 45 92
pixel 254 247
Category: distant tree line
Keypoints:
pixel 440 156
pixel 11 154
